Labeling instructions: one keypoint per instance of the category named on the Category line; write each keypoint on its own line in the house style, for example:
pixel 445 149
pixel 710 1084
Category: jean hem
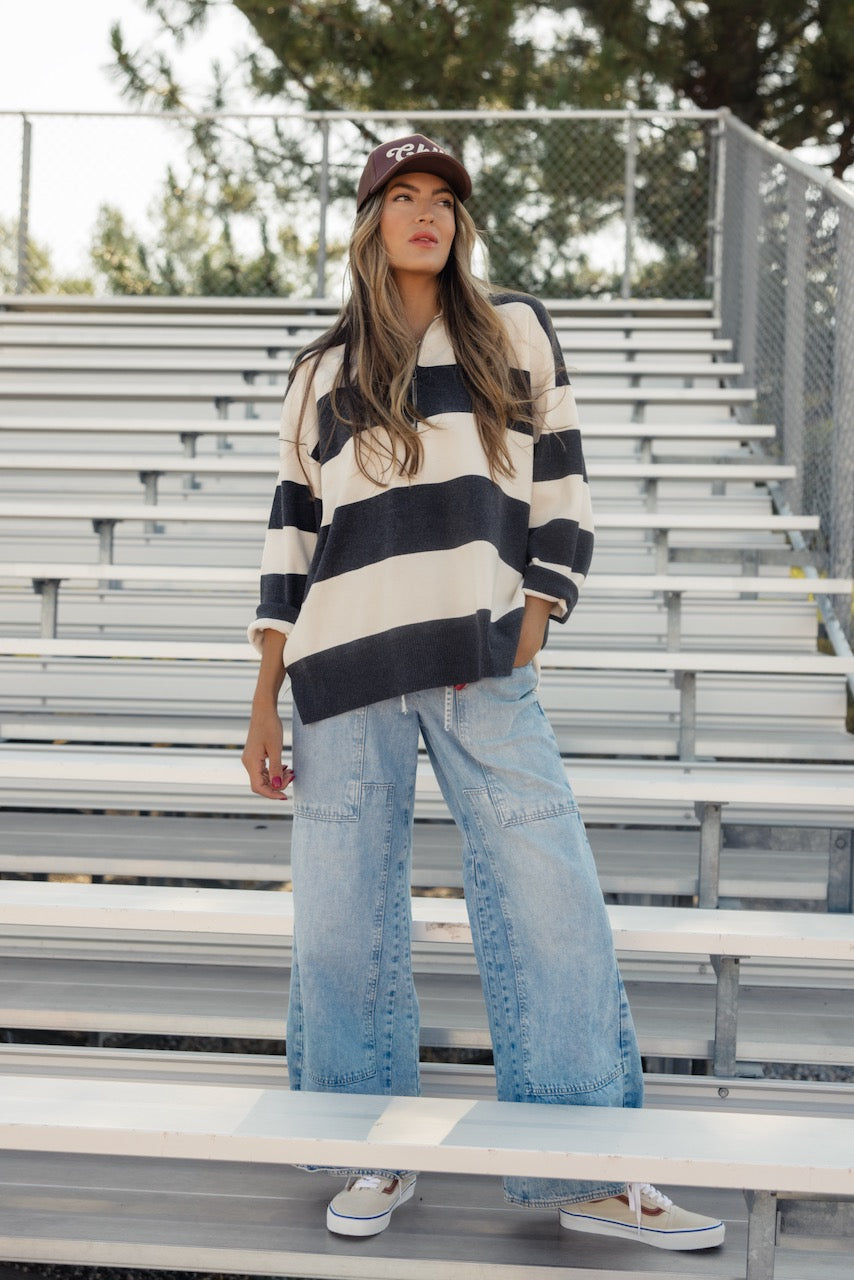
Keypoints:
pixel 351 1172
pixel 606 1190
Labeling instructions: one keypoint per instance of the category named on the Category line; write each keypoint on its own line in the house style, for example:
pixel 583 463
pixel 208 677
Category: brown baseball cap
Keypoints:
pixel 413 154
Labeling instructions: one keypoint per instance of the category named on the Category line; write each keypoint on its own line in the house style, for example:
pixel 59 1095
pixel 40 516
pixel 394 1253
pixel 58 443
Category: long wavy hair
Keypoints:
pixel 373 385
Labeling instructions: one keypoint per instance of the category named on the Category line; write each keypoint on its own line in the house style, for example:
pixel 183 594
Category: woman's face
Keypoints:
pixel 417 223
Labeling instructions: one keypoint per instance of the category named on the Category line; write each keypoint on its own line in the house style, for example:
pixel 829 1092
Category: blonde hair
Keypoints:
pixel 373 386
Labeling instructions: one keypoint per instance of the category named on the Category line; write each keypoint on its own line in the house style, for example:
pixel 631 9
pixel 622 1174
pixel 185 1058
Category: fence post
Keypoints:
pixel 732 197
pixel 750 253
pixel 22 283
pixel 794 341
pixel 629 204
pixel 717 203
pixel 324 208
pixel 842 484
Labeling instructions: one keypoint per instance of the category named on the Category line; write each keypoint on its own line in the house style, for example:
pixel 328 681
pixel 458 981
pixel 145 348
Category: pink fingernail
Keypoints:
pixel 277 782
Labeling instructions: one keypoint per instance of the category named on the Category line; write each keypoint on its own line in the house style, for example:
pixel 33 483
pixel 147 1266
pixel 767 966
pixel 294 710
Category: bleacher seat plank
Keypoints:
pixel 104 508
pixel 203 780
pixel 232 994
pixel 156 1120
pixel 244 465
pixel 310 325
pixel 226 576
pixel 633 861
pixel 264 344
pixel 239 392
pixel 262 914
pixel 227 1219
pixel 63 303
pixel 164 366
pixel 262 428
pixel 440 1079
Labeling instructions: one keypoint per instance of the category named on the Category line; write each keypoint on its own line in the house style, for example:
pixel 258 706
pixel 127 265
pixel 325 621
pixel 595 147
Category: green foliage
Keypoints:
pixel 785 67
pixel 41 276
pixel 193 249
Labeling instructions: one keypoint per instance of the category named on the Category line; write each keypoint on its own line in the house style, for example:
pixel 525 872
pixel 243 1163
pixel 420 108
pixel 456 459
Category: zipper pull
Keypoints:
pixel 413 395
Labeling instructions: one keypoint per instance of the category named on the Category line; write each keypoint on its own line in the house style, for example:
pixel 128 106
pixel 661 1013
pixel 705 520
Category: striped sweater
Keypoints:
pixel 416 583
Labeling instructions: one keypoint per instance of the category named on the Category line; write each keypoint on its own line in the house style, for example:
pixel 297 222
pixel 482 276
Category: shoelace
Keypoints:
pixel 638 1189
pixel 368 1182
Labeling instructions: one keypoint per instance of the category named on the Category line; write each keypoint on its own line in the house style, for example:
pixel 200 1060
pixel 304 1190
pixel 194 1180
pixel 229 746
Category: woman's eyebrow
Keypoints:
pixel 411 187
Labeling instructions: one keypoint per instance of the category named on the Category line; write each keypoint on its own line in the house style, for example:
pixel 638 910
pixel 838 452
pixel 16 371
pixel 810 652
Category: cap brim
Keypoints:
pixel 444 166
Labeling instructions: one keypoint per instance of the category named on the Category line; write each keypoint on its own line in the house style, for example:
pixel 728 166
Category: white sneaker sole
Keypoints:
pixel 699 1238
pixel 342 1225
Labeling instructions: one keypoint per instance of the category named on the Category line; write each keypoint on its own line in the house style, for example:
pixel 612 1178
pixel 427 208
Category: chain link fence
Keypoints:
pixel 571 203
pixel 787 301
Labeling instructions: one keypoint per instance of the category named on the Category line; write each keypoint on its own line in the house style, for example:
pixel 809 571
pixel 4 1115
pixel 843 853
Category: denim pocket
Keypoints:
pixel 506 730
pixel 606 1090
pixel 329 758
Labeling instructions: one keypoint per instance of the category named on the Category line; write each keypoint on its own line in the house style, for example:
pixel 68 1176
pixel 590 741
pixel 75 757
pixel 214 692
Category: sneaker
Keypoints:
pixel 365 1206
pixel 647 1215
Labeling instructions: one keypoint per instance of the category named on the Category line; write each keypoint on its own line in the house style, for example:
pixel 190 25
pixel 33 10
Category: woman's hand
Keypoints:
pixel 262 755
pixel 533 629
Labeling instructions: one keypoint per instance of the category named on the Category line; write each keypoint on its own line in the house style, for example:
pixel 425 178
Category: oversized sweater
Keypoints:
pixel 420 582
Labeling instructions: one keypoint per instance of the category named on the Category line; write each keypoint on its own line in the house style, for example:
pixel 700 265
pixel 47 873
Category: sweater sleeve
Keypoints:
pixel 294 518
pixel 560 531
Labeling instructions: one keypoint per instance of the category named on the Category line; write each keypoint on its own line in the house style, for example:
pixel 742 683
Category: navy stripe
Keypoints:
pixel 549 583
pixel 427 655
pixel 332 434
pixel 281 596
pixel 558 454
pixel 440 388
pixel 294 507
pixel 425 517
pixel 562 542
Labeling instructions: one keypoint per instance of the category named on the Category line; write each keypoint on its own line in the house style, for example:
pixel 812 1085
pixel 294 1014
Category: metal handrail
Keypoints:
pixel 835 187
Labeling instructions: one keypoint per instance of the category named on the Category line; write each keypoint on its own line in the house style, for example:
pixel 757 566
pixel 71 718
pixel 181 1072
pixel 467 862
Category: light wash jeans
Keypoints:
pixel 558 1015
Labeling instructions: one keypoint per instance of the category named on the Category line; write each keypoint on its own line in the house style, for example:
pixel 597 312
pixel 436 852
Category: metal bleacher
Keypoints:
pixel 144 890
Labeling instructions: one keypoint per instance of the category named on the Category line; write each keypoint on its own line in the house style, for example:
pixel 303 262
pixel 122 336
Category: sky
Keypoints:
pixel 54 56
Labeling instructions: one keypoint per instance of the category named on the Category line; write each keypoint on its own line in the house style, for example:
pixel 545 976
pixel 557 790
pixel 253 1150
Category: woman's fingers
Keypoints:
pixel 262 760
pixel 271 781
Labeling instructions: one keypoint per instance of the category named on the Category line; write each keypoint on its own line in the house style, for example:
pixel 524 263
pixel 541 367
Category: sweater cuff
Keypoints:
pixel 256 629
pixel 559 611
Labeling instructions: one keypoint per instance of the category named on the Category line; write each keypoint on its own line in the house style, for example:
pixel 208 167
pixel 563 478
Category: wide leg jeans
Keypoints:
pixel 558 1015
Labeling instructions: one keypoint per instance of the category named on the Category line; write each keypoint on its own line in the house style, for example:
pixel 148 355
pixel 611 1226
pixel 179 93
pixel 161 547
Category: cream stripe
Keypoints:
pixel 559 409
pixel 562 499
pixel 403 590
pixel 421 1120
pixel 288 550
pixel 452 450
pixel 577 578
pixel 530 344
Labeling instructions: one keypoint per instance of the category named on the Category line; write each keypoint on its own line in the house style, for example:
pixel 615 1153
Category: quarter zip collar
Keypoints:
pixel 414 385
pixel 437 316
pixel 413 390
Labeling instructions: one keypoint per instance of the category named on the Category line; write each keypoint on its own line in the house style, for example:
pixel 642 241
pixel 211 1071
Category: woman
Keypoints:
pixel 432 516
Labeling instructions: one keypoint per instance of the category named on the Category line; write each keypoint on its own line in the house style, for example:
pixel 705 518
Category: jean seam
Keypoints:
pixel 369 1013
pixel 509 993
